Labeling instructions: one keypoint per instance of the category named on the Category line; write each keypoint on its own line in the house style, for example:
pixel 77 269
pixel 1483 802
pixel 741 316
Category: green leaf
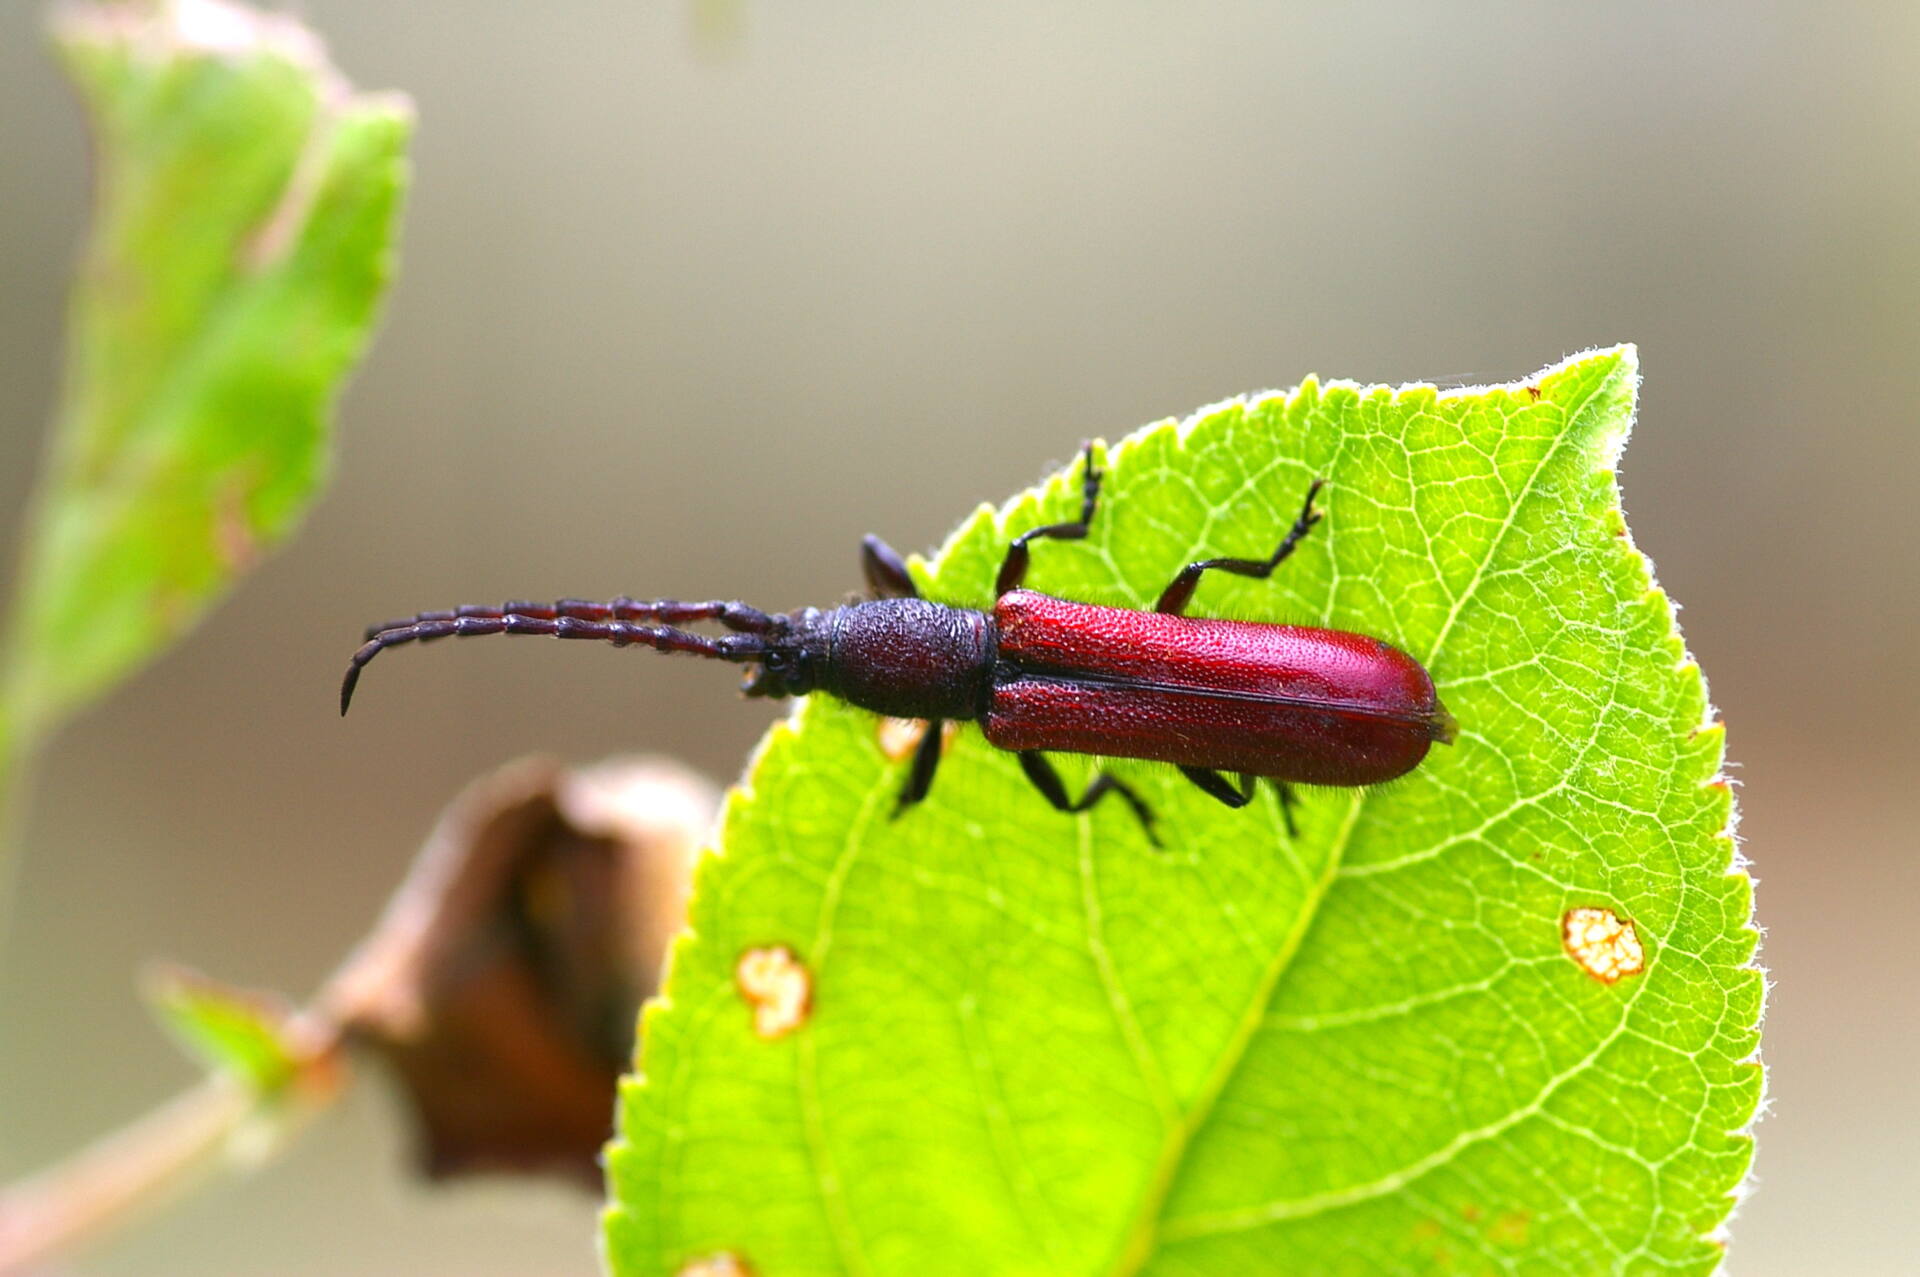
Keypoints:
pixel 242 1035
pixel 247 203
pixel 1035 1045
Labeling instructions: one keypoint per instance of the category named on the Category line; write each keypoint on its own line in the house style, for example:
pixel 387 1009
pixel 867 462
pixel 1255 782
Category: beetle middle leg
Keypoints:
pixel 926 761
pixel 1013 568
pixel 1177 595
pixel 1048 782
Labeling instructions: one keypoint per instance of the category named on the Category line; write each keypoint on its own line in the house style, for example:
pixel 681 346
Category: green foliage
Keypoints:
pixel 238 1034
pixel 247 204
pixel 1035 1045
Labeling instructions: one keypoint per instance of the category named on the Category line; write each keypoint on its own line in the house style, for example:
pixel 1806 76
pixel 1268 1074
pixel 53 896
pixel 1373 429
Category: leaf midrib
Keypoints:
pixel 1138 1246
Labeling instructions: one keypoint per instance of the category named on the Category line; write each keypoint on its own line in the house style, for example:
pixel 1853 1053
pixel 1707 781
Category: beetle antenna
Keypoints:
pixel 733 615
pixel 621 622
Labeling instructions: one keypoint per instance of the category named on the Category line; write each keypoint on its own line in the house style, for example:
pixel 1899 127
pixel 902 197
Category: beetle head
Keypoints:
pixel 794 657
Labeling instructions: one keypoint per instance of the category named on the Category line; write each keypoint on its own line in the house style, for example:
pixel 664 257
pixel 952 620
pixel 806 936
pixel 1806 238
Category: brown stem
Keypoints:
pixel 219 1124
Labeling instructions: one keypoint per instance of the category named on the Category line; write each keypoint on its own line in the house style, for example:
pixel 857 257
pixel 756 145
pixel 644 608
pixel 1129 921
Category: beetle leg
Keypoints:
pixel 1177 595
pixel 1213 783
pixel 926 761
pixel 1047 781
pixel 1013 568
pixel 885 570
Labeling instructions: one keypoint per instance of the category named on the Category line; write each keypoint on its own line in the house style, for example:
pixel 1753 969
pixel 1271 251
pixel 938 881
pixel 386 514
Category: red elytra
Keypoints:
pixel 1291 702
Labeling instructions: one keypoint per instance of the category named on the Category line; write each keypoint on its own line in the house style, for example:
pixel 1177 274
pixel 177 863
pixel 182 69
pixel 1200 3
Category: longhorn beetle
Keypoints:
pixel 1289 702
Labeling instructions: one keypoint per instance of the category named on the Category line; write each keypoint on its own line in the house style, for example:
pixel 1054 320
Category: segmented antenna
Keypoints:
pixel 622 622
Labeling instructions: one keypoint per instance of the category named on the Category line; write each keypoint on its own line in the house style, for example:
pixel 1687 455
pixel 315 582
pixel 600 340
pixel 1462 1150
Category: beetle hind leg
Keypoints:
pixel 1047 781
pixel 1215 785
pixel 1218 786
pixel 1179 592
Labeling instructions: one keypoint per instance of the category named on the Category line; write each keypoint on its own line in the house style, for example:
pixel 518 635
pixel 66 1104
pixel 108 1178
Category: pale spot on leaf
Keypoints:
pixel 777 986
pixel 899 737
pixel 722 1265
pixel 1604 944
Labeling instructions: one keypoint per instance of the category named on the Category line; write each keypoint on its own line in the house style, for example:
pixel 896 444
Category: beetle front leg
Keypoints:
pixel 1013 568
pixel 885 570
pixel 926 761
pixel 1177 595
pixel 1047 781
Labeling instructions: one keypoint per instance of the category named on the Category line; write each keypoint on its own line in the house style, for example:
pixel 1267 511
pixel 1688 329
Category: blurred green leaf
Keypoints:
pixel 1029 1043
pixel 243 1035
pixel 246 207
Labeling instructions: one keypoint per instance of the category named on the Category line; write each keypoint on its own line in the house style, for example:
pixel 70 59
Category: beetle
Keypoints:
pixel 1296 704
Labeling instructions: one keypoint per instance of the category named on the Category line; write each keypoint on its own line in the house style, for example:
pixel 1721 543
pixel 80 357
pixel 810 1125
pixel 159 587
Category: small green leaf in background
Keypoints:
pixel 245 1036
pixel 247 202
pixel 1032 1044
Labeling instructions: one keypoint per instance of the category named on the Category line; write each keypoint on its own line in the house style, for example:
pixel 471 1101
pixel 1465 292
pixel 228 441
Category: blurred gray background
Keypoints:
pixel 685 313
